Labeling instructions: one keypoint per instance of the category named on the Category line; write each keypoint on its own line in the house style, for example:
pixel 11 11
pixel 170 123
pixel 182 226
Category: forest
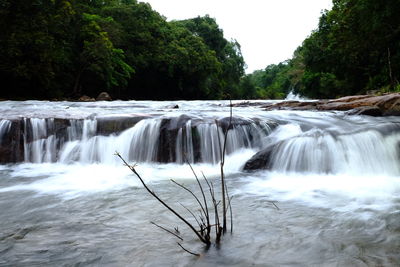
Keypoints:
pixel 66 48
pixel 63 49
pixel 354 50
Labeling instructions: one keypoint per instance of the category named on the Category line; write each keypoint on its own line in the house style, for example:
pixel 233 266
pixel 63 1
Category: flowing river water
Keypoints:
pixel 330 195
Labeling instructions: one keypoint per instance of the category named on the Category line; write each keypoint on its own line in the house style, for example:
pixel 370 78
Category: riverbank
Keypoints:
pixel 385 105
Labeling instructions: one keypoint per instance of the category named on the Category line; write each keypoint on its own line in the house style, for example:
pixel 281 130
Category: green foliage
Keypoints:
pixel 355 49
pixel 225 82
pixel 270 83
pixel 68 48
pixel 98 58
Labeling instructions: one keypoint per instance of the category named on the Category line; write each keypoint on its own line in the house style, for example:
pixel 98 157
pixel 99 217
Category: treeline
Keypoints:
pixel 354 50
pixel 68 48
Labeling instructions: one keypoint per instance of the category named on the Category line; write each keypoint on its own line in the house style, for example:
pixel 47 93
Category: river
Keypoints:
pixel 330 195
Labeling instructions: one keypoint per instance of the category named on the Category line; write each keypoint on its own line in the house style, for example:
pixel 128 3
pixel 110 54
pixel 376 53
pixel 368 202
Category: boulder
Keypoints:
pixel 261 160
pixel 385 105
pixel 11 145
pixel 103 96
pixel 86 98
pixel 293 105
pixel 169 130
pixel 370 111
pixel 350 98
pixel 108 125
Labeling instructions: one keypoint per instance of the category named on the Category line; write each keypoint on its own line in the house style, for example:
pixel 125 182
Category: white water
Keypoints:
pixel 139 143
pixel 324 167
pixel 292 96
pixel 305 144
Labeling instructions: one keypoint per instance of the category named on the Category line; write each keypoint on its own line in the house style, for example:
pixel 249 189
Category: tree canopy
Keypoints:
pixel 354 50
pixel 68 48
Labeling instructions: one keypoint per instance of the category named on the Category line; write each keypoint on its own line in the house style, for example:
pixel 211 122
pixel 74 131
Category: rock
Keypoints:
pixel 366 105
pixel 389 103
pixel 173 107
pixel 108 125
pixel 169 130
pixel 86 98
pixel 11 145
pixel 261 160
pixel 103 96
pixel 247 104
pixel 350 98
pixel 385 105
pixel 370 111
pixel 294 105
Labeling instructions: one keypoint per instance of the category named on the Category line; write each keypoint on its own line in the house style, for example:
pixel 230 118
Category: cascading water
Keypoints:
pixel 67 200
pixel 320 151
pixel 201 142
pixel 41 146
pixel 5 126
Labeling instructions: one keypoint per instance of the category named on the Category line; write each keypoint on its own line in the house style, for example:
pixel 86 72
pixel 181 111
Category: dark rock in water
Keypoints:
pixel 115 124
pixel 261 160
pixel 12 145
pixel 370 111
pixel 86 98
pixel 173 107
pixel 103 96
pixel 169 130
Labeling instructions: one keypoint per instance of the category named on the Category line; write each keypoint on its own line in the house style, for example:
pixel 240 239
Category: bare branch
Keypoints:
pixel 166 230
pixel 162 202
pixel 195 254
pixel 194 216
pixel 191 192
pixel 273 203
pixel 204 197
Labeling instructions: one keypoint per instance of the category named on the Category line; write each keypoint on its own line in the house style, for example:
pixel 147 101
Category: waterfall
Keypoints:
pixel 161 139
pixel 318 151
pixel 5 126
pixel 138 143
pixel 291 96
pixel 204 142
pixel 292 147
pixel 39 143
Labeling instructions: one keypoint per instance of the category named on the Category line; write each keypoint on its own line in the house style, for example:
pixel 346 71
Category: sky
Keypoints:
pixel 268 30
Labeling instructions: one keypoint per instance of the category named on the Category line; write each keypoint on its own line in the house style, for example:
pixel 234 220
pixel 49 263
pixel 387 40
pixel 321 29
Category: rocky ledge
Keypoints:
pixel 385 105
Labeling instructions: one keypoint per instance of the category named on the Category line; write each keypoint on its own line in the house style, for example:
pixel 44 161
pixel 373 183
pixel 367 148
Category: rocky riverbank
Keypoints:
pixel 385 105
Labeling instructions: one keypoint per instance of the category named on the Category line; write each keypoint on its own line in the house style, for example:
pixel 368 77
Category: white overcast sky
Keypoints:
pixel 268 30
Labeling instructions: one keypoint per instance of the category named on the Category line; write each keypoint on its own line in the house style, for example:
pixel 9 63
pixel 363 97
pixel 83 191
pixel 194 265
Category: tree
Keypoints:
pixel 226 83
pixel 98 58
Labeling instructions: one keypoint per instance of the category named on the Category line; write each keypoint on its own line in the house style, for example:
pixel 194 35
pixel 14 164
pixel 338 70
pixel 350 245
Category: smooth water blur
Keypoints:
pixel 331 197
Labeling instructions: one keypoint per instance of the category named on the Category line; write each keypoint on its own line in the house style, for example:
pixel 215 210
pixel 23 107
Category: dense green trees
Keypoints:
pixel 355 49
pixel 67 48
